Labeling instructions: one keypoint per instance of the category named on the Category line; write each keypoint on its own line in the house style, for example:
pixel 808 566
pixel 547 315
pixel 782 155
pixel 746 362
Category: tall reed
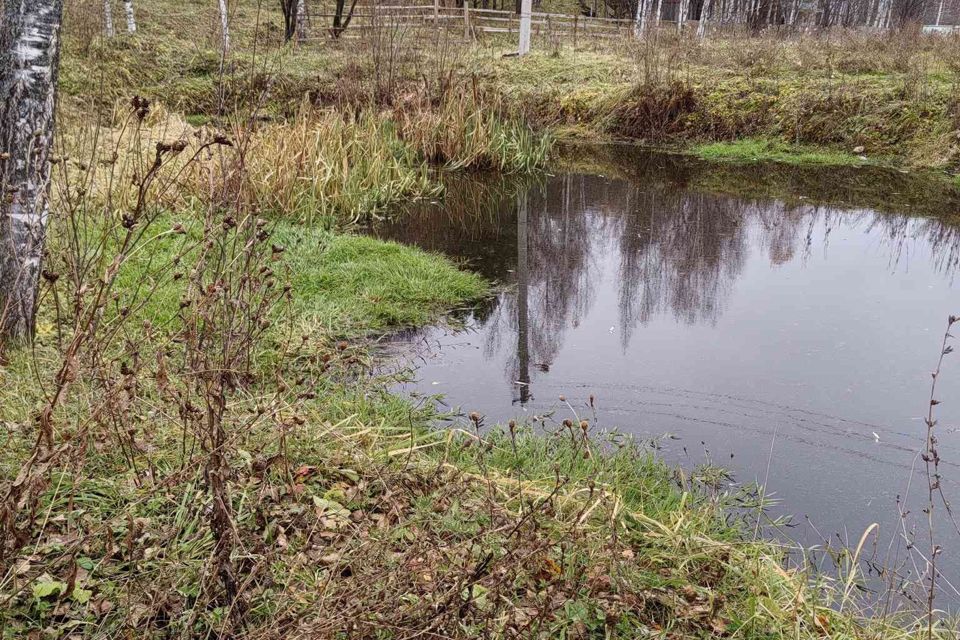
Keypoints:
pixel 466 132
pixel 330 166
pixel 327 165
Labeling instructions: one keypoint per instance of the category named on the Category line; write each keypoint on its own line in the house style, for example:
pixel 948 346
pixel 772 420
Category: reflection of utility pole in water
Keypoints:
pixel 523 284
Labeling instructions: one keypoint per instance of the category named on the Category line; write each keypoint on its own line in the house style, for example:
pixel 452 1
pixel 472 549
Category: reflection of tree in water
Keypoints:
pixel 555 273
pixel 676 252
pixel 680 253
pixel 942 239
pixel 673 251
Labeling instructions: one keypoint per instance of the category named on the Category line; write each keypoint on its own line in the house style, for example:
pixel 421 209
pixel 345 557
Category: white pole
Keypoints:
pixel 525 10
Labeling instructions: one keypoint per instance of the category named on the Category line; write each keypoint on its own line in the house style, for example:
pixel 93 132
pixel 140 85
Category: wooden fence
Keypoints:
pixel 472 21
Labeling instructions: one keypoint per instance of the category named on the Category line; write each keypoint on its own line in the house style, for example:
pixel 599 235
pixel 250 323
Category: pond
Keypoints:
pixel 781 323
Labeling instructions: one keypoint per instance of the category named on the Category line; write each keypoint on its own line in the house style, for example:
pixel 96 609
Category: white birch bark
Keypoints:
pixel 939 13
pixel 645 14
pixel 883 15
pixel 657 13
pixel 131 19
pixel 704 17
pixel 793 13
pixel 302 21
pixel 108 29
pixel 638 20
pixel 29 64
pixel 224 28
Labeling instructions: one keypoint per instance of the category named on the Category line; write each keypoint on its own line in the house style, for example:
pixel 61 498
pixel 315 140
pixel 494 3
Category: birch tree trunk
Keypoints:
pixel 30 57
pixel 644 14
pixel 224 28
pixel 656 14
pixel 301 20
pixel 131 20
pixel 638 19
pixel 704 16
pixel 793 13
pixel 108 29
pixel 883 14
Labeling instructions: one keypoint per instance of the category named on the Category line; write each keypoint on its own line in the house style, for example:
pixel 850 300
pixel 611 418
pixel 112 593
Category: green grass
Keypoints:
pixel 348 283
pixel 754 150
pixel 343 284
pixel 352 515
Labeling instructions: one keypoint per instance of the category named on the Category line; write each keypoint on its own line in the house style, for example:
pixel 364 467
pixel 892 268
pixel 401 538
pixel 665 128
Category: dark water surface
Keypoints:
pixel 788 341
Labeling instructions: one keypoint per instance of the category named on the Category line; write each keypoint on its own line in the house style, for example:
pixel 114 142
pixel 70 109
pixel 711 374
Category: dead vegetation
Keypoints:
pixel 196 444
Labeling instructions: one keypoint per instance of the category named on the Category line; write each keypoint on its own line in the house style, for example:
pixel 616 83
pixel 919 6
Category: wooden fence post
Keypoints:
pixel 466 19
pixel 525 9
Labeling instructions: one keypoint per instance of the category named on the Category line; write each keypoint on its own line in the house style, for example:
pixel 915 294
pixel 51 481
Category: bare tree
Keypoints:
pixel 108 29
pixel 340 20
pixel 131 19
pixel 30 56
pixel 289 9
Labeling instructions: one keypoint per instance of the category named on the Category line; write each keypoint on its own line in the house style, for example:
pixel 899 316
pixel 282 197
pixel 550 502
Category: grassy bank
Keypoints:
pixel 735 172
pixel 350 516
pixel 830 99
pixel 200 442
pixel 758 103
pixel 756 150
